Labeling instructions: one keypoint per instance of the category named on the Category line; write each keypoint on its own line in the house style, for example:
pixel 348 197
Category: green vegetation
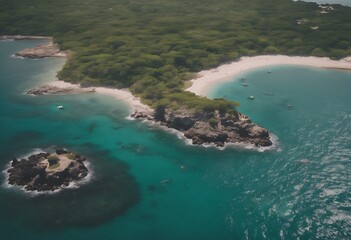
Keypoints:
pixel 213 122
pixel 53 161
pixel 154 46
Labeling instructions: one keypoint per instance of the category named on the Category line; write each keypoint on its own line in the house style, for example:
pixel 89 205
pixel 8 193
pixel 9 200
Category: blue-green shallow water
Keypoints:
pixel 212 194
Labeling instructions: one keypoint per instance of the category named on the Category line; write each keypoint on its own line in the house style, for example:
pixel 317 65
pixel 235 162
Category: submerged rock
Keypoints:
pixel 47 171
pixel 216 128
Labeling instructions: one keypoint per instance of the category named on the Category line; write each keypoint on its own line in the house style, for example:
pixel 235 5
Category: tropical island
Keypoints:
pixel 154 48
pixel 47 171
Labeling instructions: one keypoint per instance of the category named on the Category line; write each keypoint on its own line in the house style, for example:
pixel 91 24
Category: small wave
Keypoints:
pixel 245 146
pixel 130 118
pixel 19 57
pixel 85 180
pixel 33 59
pixel 32 152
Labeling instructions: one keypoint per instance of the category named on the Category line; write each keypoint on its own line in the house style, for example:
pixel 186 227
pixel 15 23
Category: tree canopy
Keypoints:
pixel 154 46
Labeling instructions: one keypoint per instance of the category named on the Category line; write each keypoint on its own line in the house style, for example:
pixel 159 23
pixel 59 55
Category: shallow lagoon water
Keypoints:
pixel 176 190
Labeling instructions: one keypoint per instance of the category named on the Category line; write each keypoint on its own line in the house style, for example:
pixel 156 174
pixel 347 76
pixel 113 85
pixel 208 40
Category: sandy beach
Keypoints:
pixel 120 94
pixel 207 78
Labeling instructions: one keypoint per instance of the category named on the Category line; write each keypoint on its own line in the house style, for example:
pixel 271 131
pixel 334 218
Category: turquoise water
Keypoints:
pixel 209 194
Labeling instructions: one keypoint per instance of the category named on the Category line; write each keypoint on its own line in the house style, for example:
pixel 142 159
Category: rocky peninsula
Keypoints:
pixel 42 51
pixel 207 128
pixel 47 171
pixel 23 37
pixel 49 49
pixel 55 90
pixel 201 127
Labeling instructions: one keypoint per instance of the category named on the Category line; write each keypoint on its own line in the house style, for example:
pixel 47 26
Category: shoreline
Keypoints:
pixel 238 145
pixel 123 95
pixel 207 78
pixel 226 72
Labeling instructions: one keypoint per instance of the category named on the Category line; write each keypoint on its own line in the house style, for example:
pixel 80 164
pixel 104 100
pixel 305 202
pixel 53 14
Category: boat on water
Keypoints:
pixel 251 97
pixel 163 182
pixel 60 107
pixel 269 71
pixel 244 84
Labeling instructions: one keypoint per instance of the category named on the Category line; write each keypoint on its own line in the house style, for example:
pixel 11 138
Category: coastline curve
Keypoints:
pixel 226 72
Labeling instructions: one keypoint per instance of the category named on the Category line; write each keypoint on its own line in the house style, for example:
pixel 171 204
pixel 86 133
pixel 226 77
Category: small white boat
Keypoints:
pixel 244 84
pixel 251 97
pixel 163 182
pixel 60 107
pixel 269 71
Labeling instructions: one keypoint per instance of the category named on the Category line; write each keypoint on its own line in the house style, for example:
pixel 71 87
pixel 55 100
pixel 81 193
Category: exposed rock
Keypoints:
pixel 61 151
pixel 159 113
pixel 35 173
pixel 138 115
pixel 213 127
pixel 42 51
pixel 54 90
pixel 22 37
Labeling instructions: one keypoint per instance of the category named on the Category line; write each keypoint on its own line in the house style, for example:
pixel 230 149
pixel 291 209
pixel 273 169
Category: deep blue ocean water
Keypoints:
pixel 148 184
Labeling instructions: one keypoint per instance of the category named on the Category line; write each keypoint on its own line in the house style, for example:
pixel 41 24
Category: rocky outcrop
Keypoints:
pixel 23 37
pixel 42 51
pixel 141 115
pixel 54 90
pixel 216 128
pixel 47 171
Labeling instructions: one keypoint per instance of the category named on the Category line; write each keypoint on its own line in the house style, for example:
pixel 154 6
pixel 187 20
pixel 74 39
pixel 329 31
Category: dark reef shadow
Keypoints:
pixel 91 127
pixel 29 135
pixel 110 193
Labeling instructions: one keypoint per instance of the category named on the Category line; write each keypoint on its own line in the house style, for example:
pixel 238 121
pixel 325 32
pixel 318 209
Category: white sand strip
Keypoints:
pixel 120 94
pixel 207 78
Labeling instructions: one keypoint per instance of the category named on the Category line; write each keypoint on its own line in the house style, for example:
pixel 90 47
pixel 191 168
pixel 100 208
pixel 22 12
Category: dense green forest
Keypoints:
pixel 154 46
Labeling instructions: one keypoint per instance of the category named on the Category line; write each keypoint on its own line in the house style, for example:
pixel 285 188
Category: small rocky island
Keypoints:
pixel 206 128
pixel 47 171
